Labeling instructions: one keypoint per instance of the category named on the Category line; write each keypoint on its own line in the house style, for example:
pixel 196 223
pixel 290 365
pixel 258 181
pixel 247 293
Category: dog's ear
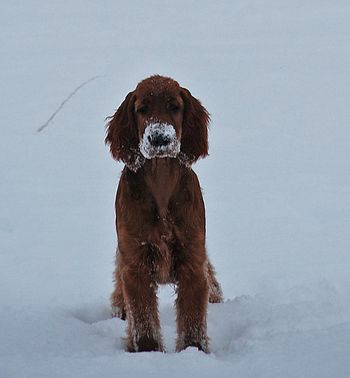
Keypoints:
pixel 122 134
pixel 194 140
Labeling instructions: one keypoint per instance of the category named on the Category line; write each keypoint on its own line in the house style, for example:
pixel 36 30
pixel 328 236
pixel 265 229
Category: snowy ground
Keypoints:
pixel 275 75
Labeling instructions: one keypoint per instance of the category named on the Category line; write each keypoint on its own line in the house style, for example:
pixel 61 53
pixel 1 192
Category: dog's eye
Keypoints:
pixel 174 108
pixel 143 109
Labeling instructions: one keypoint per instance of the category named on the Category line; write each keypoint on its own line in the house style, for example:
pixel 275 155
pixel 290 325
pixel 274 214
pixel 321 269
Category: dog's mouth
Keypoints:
pixel 159 140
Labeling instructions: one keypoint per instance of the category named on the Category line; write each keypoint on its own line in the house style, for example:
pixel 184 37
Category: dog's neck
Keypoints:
pixel 162 177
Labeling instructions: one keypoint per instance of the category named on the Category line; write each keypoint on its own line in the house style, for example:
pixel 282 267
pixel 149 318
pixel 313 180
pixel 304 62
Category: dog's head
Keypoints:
pixel 158 119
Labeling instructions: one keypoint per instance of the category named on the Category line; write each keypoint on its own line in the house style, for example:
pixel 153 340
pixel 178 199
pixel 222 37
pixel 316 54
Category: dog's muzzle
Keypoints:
pixel 159 140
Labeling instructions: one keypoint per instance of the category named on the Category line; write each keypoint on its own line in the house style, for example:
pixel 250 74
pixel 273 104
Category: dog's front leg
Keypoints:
pixel 141 310
pixel 191 306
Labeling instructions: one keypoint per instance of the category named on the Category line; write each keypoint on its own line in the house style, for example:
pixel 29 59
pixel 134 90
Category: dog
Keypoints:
pixel 159 131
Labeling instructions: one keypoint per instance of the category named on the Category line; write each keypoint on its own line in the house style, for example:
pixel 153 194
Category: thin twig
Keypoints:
pixel 41 128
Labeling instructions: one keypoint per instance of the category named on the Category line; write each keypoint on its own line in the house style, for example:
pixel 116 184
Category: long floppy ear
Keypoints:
pixel 194 140
pixel 122 135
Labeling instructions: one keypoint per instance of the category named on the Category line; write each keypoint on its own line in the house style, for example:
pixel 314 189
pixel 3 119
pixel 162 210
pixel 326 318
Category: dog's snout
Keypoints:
pixel 159 140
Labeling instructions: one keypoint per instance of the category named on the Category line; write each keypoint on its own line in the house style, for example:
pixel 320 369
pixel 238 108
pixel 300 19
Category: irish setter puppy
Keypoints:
pixel 159 131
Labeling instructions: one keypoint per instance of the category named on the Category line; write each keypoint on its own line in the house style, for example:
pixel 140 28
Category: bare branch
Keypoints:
pixel 41 128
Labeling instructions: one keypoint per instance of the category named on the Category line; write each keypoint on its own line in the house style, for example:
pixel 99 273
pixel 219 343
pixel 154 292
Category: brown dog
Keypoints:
pixel 158 131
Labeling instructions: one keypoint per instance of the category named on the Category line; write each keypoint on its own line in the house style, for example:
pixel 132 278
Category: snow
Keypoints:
pixel 275 77
pixel 156 129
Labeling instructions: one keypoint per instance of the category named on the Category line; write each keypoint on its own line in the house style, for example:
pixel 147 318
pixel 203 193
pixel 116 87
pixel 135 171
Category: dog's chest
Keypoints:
pixel 162 179
pixel 161 251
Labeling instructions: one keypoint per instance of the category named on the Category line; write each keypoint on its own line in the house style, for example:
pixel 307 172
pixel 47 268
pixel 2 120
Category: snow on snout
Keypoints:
pixel 159 140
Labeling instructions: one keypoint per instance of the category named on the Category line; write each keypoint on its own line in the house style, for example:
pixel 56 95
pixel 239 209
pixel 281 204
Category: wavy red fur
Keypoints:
pixel 160 217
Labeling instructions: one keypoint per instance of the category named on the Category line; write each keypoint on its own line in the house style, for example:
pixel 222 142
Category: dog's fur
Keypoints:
pixel 160 217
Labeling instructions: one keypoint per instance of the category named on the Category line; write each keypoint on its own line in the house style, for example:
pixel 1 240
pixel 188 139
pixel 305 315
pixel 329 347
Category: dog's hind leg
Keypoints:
pixel 117 297
pixel 215 291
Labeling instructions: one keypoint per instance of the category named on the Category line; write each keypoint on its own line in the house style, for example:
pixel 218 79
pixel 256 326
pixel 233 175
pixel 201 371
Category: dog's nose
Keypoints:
pixel 159 140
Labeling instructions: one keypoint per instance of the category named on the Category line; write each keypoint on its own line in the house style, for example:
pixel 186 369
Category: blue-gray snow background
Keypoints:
pixel 275 76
